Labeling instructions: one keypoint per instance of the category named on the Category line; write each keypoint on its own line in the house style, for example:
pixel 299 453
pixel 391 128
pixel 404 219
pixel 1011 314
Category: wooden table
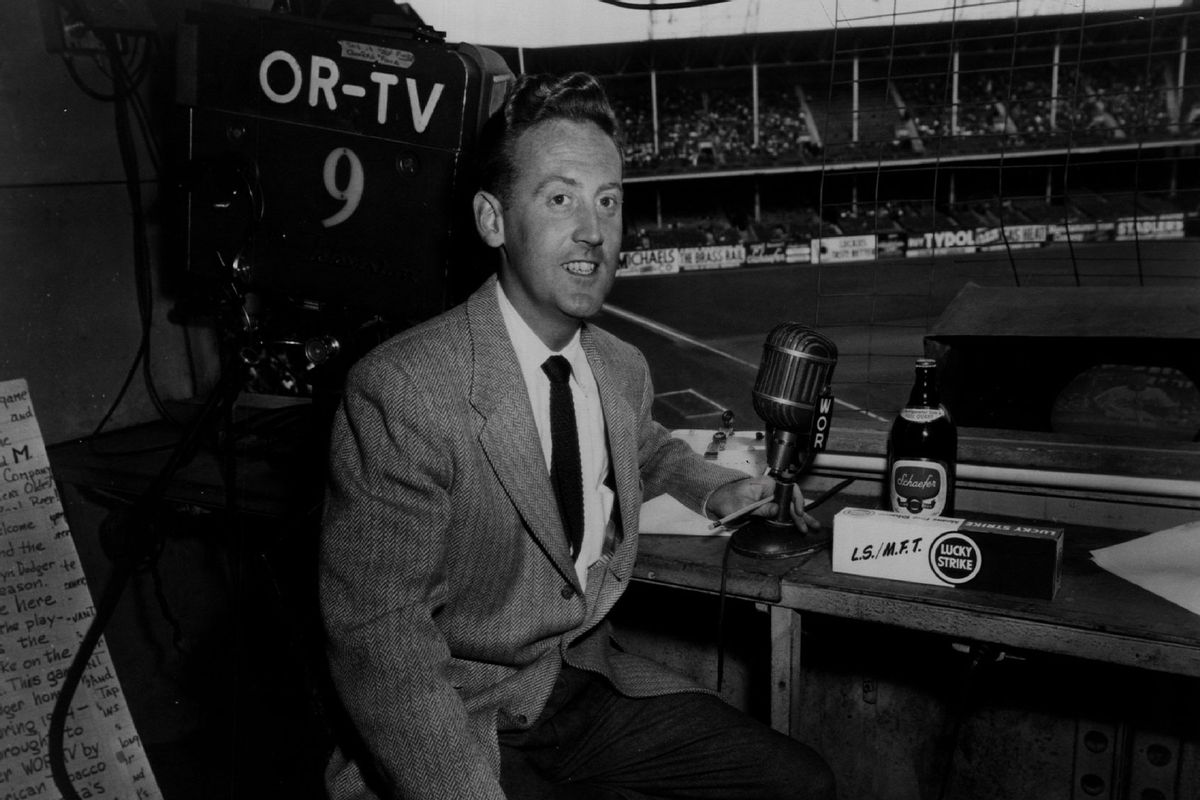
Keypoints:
pixel 1095 615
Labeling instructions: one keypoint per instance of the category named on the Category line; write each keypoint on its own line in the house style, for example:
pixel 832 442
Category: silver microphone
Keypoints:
pixel 792 391
pixel 793 396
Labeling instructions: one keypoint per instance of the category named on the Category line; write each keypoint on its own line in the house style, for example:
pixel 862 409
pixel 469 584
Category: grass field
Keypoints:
pixel 703 332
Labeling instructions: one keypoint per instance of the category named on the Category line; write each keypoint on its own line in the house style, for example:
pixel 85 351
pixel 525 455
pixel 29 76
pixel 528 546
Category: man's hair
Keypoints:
pixel 575 96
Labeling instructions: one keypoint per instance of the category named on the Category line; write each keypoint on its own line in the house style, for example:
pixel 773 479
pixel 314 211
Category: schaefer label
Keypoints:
pixel 918 487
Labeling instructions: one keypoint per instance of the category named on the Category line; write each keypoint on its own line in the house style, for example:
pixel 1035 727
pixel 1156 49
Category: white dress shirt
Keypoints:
pixel 598 498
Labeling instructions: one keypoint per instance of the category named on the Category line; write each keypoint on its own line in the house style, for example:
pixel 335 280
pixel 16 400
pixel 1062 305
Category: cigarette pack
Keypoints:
pixel 1015 558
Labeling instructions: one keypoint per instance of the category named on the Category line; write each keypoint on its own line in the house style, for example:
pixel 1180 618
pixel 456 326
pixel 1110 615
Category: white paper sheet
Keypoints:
pixel 1166 563
pixel 664 514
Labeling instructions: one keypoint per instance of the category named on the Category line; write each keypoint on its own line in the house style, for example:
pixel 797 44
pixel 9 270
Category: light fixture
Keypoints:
pixel 661 5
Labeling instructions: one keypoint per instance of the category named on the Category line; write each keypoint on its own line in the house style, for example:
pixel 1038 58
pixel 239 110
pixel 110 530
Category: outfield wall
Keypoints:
pixel 898 244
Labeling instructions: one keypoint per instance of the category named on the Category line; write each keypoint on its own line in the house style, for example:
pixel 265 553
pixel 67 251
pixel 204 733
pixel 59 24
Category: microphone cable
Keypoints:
pixel 722 592
pixel 960 704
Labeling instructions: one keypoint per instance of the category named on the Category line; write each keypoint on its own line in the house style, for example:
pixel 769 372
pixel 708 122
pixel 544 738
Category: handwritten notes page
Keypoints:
pixel 45 609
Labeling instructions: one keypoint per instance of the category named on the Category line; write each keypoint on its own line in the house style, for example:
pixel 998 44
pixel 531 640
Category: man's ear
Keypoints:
pixel 489 221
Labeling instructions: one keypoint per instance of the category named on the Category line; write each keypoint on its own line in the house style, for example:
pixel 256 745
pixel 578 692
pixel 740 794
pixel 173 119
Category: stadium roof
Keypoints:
pixel 556 23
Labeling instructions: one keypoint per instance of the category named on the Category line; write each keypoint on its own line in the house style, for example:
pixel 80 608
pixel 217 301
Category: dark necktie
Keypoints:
pixel 565 470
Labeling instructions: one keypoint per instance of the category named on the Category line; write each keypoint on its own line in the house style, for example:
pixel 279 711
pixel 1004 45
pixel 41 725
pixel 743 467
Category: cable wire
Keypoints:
pixel 125 98
pixel 722 593
pixel 142 546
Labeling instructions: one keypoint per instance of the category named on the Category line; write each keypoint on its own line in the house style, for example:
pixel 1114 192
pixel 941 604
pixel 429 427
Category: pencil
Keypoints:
pixel 742 510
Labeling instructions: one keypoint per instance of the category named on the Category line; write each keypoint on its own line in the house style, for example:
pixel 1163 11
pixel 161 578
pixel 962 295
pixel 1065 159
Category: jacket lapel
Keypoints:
pixel 506 430
pixel 621 423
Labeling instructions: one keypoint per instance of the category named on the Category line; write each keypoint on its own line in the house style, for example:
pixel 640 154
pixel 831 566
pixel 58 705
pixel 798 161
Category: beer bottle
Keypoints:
pixel 922 450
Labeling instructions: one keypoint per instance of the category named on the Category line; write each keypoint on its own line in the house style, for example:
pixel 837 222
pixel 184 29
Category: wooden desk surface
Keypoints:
pixel 1095 615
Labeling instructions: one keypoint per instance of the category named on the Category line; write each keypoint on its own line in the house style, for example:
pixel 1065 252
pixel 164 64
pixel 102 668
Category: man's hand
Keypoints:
pixel 739 494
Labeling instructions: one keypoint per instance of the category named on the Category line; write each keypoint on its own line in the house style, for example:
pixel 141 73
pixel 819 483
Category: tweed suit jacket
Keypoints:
pixel 448 594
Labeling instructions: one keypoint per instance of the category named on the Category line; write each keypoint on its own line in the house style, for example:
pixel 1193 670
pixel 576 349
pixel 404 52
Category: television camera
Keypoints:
pixel 329 170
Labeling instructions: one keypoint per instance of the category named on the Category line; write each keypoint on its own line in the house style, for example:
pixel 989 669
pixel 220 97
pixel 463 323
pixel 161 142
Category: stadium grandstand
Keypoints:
pixel 1060 122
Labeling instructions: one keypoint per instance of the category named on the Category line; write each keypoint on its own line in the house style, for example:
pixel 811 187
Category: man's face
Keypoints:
pixel 560 226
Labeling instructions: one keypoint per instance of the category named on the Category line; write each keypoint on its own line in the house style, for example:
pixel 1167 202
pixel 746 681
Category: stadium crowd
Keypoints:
pixel 1099 105
pixel 702 127
pixel 711 128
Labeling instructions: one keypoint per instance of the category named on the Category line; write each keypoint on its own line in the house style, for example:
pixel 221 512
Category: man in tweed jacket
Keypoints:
pixel 471 652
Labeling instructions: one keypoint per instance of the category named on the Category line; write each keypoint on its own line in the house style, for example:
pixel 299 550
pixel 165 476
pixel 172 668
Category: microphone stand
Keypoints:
pixel 778 536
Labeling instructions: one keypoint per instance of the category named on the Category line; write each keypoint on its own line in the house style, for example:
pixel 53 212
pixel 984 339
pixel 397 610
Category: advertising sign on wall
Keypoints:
pixel 1159 226
pixel 649 262
pixel 891 245
pixel 941 243
pixel 1078 232
pixel 1010 237
pixel 832 249
pixel 799 253
pixel 766 253
pixel 717 256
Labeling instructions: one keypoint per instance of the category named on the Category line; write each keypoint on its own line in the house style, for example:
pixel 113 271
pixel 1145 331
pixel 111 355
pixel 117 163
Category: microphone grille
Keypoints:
pixel 797 366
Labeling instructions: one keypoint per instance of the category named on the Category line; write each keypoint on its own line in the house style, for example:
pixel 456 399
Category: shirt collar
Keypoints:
pixel 532 352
